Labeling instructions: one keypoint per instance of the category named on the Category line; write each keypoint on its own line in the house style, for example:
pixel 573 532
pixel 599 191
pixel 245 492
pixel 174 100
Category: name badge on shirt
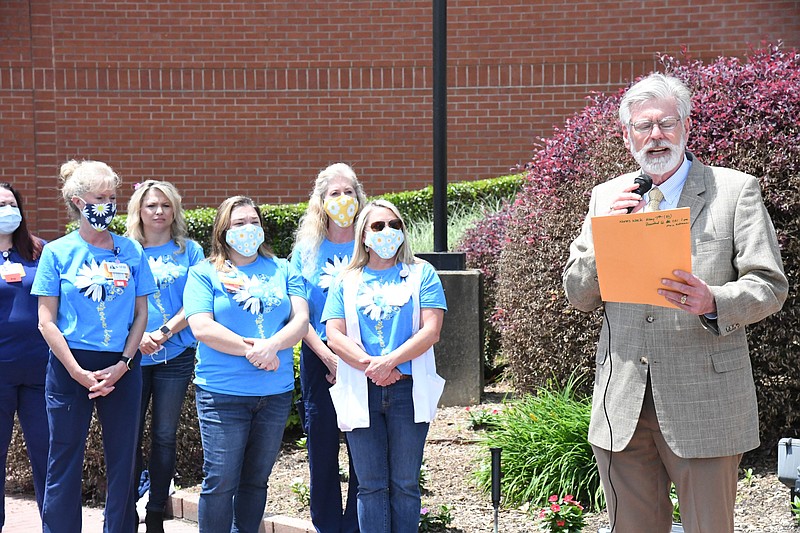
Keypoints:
pixel 118 273
pixel 232 281
pixel 12 272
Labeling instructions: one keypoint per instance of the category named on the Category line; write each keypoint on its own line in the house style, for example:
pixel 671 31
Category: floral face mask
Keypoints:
pixel 99 215
pixel 386 242
pixel 245 239
pixel 342 209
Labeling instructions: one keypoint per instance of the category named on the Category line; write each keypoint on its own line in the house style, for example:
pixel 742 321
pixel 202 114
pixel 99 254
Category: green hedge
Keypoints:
pixel 281 220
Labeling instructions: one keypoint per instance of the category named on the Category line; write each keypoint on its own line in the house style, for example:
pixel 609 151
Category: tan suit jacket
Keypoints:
pixel 700 369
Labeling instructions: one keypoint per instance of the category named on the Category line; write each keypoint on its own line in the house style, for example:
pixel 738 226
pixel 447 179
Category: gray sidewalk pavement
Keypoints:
pixel 22 516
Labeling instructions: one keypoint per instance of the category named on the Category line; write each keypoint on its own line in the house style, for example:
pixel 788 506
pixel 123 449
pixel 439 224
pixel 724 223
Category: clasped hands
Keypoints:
pixel 100 382
pixel 381 370
pixel 262 354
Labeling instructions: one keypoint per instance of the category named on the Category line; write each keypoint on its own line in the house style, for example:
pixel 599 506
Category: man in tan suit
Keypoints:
pixel 674 398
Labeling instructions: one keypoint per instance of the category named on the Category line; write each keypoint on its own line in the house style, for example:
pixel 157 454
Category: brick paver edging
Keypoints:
pixel 184 505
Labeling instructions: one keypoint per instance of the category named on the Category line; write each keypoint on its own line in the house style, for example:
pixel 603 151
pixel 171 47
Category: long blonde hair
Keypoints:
pixel 80 177
pixel 220 249
pixel 313 226
pixel 134 225
pixel 360 254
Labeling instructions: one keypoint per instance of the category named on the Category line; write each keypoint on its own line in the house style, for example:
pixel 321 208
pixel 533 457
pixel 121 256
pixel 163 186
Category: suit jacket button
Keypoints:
pixel 643 360
pixel 650 319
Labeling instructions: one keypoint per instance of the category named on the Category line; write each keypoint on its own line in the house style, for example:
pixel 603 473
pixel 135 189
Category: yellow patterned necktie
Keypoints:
pixel 655 196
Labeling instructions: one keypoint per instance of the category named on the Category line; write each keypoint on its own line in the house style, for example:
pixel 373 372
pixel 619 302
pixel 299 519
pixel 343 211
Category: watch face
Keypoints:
pixel 165 330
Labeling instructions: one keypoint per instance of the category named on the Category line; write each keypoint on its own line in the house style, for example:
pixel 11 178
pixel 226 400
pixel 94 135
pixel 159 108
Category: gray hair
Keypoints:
pixel 656 86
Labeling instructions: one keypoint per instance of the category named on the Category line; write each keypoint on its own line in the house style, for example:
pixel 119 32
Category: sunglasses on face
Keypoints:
pixel 378 225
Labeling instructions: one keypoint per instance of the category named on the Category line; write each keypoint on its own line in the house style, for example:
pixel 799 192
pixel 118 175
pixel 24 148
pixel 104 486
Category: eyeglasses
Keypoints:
pixel 646 126
pixel 378 225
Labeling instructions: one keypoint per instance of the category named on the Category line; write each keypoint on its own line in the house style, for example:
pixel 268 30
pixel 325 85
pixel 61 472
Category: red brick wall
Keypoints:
pixel 222 98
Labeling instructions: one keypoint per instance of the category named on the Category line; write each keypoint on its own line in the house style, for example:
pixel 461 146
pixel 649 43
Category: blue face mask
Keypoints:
pixel 10 219
pixel 386 242
pixel 245 239
pixel 99 215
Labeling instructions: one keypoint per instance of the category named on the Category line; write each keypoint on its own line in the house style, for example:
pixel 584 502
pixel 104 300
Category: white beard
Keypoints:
pixel 658 165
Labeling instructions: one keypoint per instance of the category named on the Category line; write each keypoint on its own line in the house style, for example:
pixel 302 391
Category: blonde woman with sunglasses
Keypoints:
pixel 383 320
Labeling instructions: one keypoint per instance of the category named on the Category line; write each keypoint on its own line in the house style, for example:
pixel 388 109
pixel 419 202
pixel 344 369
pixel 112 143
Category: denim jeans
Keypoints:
pixel 166 384
pixel 388 458
pixel 322 442
pixel 241 439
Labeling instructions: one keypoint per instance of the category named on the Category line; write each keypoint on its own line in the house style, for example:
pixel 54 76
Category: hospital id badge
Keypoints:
pixel 120 272
pixel 12 272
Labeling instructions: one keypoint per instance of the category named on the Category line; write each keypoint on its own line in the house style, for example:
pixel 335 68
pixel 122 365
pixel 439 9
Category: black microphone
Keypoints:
pixel 645 184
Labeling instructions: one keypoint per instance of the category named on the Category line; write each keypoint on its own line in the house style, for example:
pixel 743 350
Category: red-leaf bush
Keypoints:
pixel 745 116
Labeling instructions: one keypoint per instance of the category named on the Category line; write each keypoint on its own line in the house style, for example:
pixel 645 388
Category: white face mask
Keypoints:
pixel 386 242
pixel 10 219
pixel 342 209
pixel 245 239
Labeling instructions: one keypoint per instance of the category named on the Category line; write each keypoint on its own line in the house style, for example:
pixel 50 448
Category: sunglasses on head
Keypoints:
pixel 378 225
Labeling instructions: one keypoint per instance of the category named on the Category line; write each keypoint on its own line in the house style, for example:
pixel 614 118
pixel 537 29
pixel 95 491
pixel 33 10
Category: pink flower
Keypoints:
pixel 424 511
pixel 553 498
pixel 495 411
pixel 555 507
pixel 542 513
pixel 560 523
pixel 467 409
pixel 568 498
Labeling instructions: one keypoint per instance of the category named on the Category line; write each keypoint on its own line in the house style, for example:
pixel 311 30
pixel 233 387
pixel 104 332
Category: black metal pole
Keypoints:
pixel 496 452
pixel 440 125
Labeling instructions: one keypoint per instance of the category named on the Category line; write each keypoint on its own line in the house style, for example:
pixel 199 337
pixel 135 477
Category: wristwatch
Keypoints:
pixel 166 331
pixel 127 360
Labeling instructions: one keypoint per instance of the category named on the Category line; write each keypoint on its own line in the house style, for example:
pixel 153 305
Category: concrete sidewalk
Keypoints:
pixel 22 516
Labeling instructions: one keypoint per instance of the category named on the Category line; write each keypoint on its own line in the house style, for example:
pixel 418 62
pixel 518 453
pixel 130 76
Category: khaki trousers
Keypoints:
pixel 636 483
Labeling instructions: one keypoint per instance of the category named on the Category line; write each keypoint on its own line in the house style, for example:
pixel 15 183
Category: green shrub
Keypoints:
pixel 543 438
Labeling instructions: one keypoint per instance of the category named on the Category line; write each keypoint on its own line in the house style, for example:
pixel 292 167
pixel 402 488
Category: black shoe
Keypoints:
pixel 154 521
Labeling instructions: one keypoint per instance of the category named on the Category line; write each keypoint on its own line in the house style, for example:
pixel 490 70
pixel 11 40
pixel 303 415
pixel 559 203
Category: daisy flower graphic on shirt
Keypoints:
pixel 331 271
pixel 257 296
pixel 380 301
pixel 92 282
pixel 165 271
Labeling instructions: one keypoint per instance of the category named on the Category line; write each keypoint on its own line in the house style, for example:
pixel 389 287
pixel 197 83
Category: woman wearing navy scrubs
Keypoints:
pixel 383 319
pixel 155 220
pixel 322 248
pixel 92 287
pixel 23 352
pixel 247 310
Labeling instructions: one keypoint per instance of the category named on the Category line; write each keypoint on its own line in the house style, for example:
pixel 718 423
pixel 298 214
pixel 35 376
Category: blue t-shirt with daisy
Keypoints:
pixel 332 259
pixel 170 270
pixel 252 301
pixel 385 308
pixel 97 289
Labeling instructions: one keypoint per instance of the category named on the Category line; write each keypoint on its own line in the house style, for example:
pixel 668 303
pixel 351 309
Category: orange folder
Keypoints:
pixel 635 252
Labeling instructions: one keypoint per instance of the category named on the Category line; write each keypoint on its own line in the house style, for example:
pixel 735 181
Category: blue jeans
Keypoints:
pixel 69 412
pixel 322 442
pixel 388 458
pixel 166 384
pixel 241 439
pixel 22 392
